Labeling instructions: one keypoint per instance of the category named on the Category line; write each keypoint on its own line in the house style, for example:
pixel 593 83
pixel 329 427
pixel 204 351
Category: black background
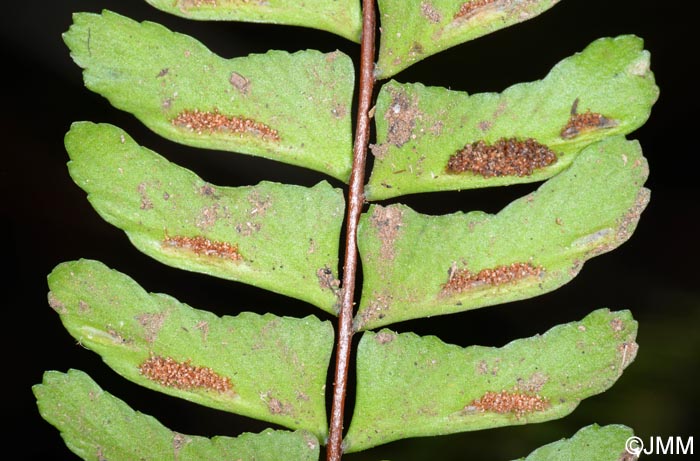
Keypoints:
pixel 47 220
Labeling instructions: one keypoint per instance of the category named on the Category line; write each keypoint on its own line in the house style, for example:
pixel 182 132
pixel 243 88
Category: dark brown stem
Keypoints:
pixel 356 198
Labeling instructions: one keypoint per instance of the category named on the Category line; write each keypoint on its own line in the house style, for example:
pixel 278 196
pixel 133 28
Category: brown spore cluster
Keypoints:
pixel 506 157
pixel 463 279
pixel 469 9
pixel 211 122
pixel 183 375
pixel 582 123
pixel 203 246
pixel 515 403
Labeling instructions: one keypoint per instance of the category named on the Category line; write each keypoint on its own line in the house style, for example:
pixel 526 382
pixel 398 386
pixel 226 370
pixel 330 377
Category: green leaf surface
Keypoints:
pixel 262 366
pixel 416 265
pixel 408 386
pixel 594 443
pixel 412 30
pixel 341 17
pixel 95 425
pixel 419 128
pixel 292 108
pixel 283 238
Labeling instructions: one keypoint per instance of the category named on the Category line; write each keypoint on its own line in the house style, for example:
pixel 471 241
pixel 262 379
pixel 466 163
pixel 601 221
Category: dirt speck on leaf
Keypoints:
pixel 401 115
pixel 387 221
pixel 152 323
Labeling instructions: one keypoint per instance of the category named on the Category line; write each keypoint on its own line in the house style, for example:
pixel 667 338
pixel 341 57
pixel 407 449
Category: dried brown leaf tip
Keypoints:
pixel 212 122
pixel 504 402
pixel 582 123
pixel 474 7
pixel 463 279
pixel 204 247
pixel 506 157
pixel 183 375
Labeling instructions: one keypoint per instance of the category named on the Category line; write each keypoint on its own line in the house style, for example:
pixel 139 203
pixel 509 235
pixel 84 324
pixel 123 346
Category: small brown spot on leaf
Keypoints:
pixel 516 403
pixel 152 323
pixel 376 309
pixel 617 324
pixel 214 122
pixel 163 72
pixel 463 279
pixel 583 123
pixel 401 115
pixel 533 384
pixel 416 49
pixel 207 217
pixel 209 191
pixel 327 280
pixel 83 306
pixel 470 9
pixel 202 246
pixel 146 203
pixel 627 352
pixel 56 304
pixel 506 157
pixel 276 406
pixel 339 111
pixel 204 328
pixel 384 337
pixel 240 83
pixel 179 441
pixel 258 204
pixel 429 12
pixel 627 456
pixel 189 4
pixel 388 221
pixel 183 375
